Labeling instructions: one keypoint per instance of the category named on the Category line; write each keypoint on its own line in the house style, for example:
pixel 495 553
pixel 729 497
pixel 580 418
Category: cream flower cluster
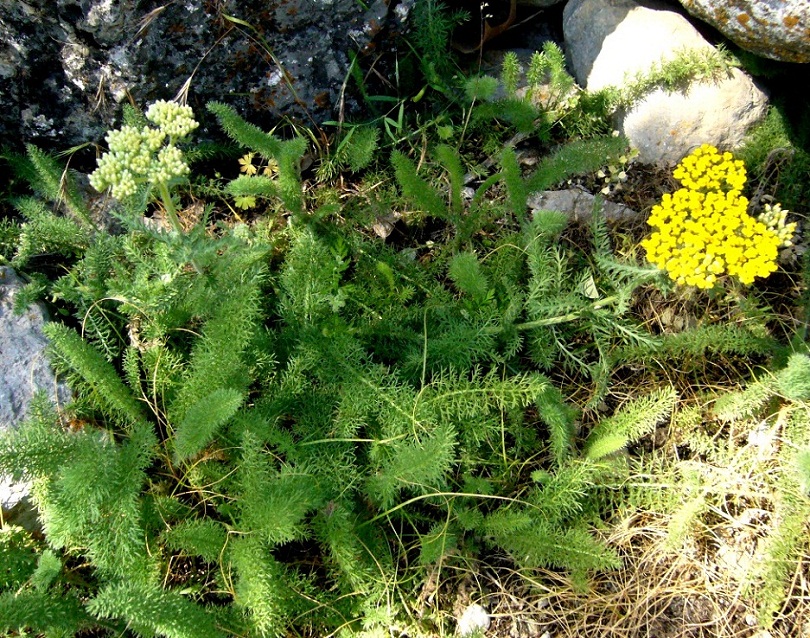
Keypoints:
pixel 776 219
pixel 703 230
pixel 173 119
pixel 138 155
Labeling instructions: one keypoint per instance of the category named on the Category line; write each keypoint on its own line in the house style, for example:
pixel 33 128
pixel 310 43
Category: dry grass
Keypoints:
pixel 660 592
pixel 688 572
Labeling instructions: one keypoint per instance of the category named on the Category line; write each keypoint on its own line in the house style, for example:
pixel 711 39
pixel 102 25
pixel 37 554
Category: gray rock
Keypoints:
pixel 25 369
pixel 66 66
pixel 538 4
pixel 667 126
pixel 474 619
pixel 578 205
pixel 779 30
pixel 609 42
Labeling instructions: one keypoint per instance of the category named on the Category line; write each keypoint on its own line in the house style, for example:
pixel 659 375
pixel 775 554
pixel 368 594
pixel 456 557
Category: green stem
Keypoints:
pixel 553 321
pixel 169 205
pixel 174 219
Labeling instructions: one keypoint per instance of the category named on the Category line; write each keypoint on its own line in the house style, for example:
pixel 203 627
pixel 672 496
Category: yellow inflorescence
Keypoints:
pixel 703 231
pixel 706 169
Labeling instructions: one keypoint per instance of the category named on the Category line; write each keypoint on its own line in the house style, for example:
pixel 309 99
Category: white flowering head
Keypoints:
pixel 174 119
pixel 776 219
pixel 168 165
pixel 113 174
pixel 145 155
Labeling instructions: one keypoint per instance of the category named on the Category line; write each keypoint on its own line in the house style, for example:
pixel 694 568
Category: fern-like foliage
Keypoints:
pixel 293 435
pixel 198 537
pixel 310 280
pixel 287 153
pixel 48 569
pixel 252 186
pixel 752 440
pixel 516 188
pixel 467 275
pixel 274 501
pixel 421 466
pixel 433 27
pixel 95 502
pixel 262 591
pixel 48 612
pixel 99 375
pixel 354 151
pixel 244 133
pixel 19 556
pixel 416 188
pixel 203 419
pixel 635 420
pixel 151 611
pixel 86 290
pixel 218 358
pixel 46 234
pixel 575 158
pixel 56 183
pixel 697 343
pixel 536 544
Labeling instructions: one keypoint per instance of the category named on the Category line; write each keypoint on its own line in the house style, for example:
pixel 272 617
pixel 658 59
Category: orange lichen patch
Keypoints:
pixel 720 15
pixel 322 100
pixel 743 19
pixel 790 21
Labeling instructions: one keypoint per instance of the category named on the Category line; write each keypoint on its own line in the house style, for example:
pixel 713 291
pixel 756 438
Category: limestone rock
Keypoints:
pixel 538 4
pixel 66 66
pixel 578 205
pixel 611 41
pixel 475 618
pixel 665 127
pixel 776 29
pixel 608 40
pixel 25 369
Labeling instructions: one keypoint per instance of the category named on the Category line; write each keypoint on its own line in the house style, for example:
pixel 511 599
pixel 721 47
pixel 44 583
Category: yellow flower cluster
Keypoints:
pixel 703 231
pixel 707 170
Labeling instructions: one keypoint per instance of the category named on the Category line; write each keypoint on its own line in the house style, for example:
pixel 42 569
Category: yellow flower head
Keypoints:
pixel 246 164
pixel 706 169
pixel 703 230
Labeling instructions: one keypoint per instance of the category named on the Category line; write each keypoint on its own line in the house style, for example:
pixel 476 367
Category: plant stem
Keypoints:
pixel 174 219
pixel 169 205
pixel 553 321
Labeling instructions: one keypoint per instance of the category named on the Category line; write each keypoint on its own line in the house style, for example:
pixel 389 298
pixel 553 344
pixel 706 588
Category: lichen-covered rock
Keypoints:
pixel 67 65
pixel 609 42
pixel 25 369
pixel 776 29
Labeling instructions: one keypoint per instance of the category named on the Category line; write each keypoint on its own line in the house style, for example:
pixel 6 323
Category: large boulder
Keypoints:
pixel 25 370
pixel 776 29
pixel 611 42
pixel 66 66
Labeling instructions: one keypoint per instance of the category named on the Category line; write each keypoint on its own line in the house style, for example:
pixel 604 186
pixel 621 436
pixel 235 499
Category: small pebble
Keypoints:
pixel 474 618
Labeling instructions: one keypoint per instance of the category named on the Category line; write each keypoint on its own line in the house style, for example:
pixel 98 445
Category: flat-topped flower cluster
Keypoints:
pixel 138 155
pixel 704 231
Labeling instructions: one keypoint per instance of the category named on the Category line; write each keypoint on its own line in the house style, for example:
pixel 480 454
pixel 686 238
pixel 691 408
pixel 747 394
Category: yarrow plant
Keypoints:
pixel 147 155
pixel 704 231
